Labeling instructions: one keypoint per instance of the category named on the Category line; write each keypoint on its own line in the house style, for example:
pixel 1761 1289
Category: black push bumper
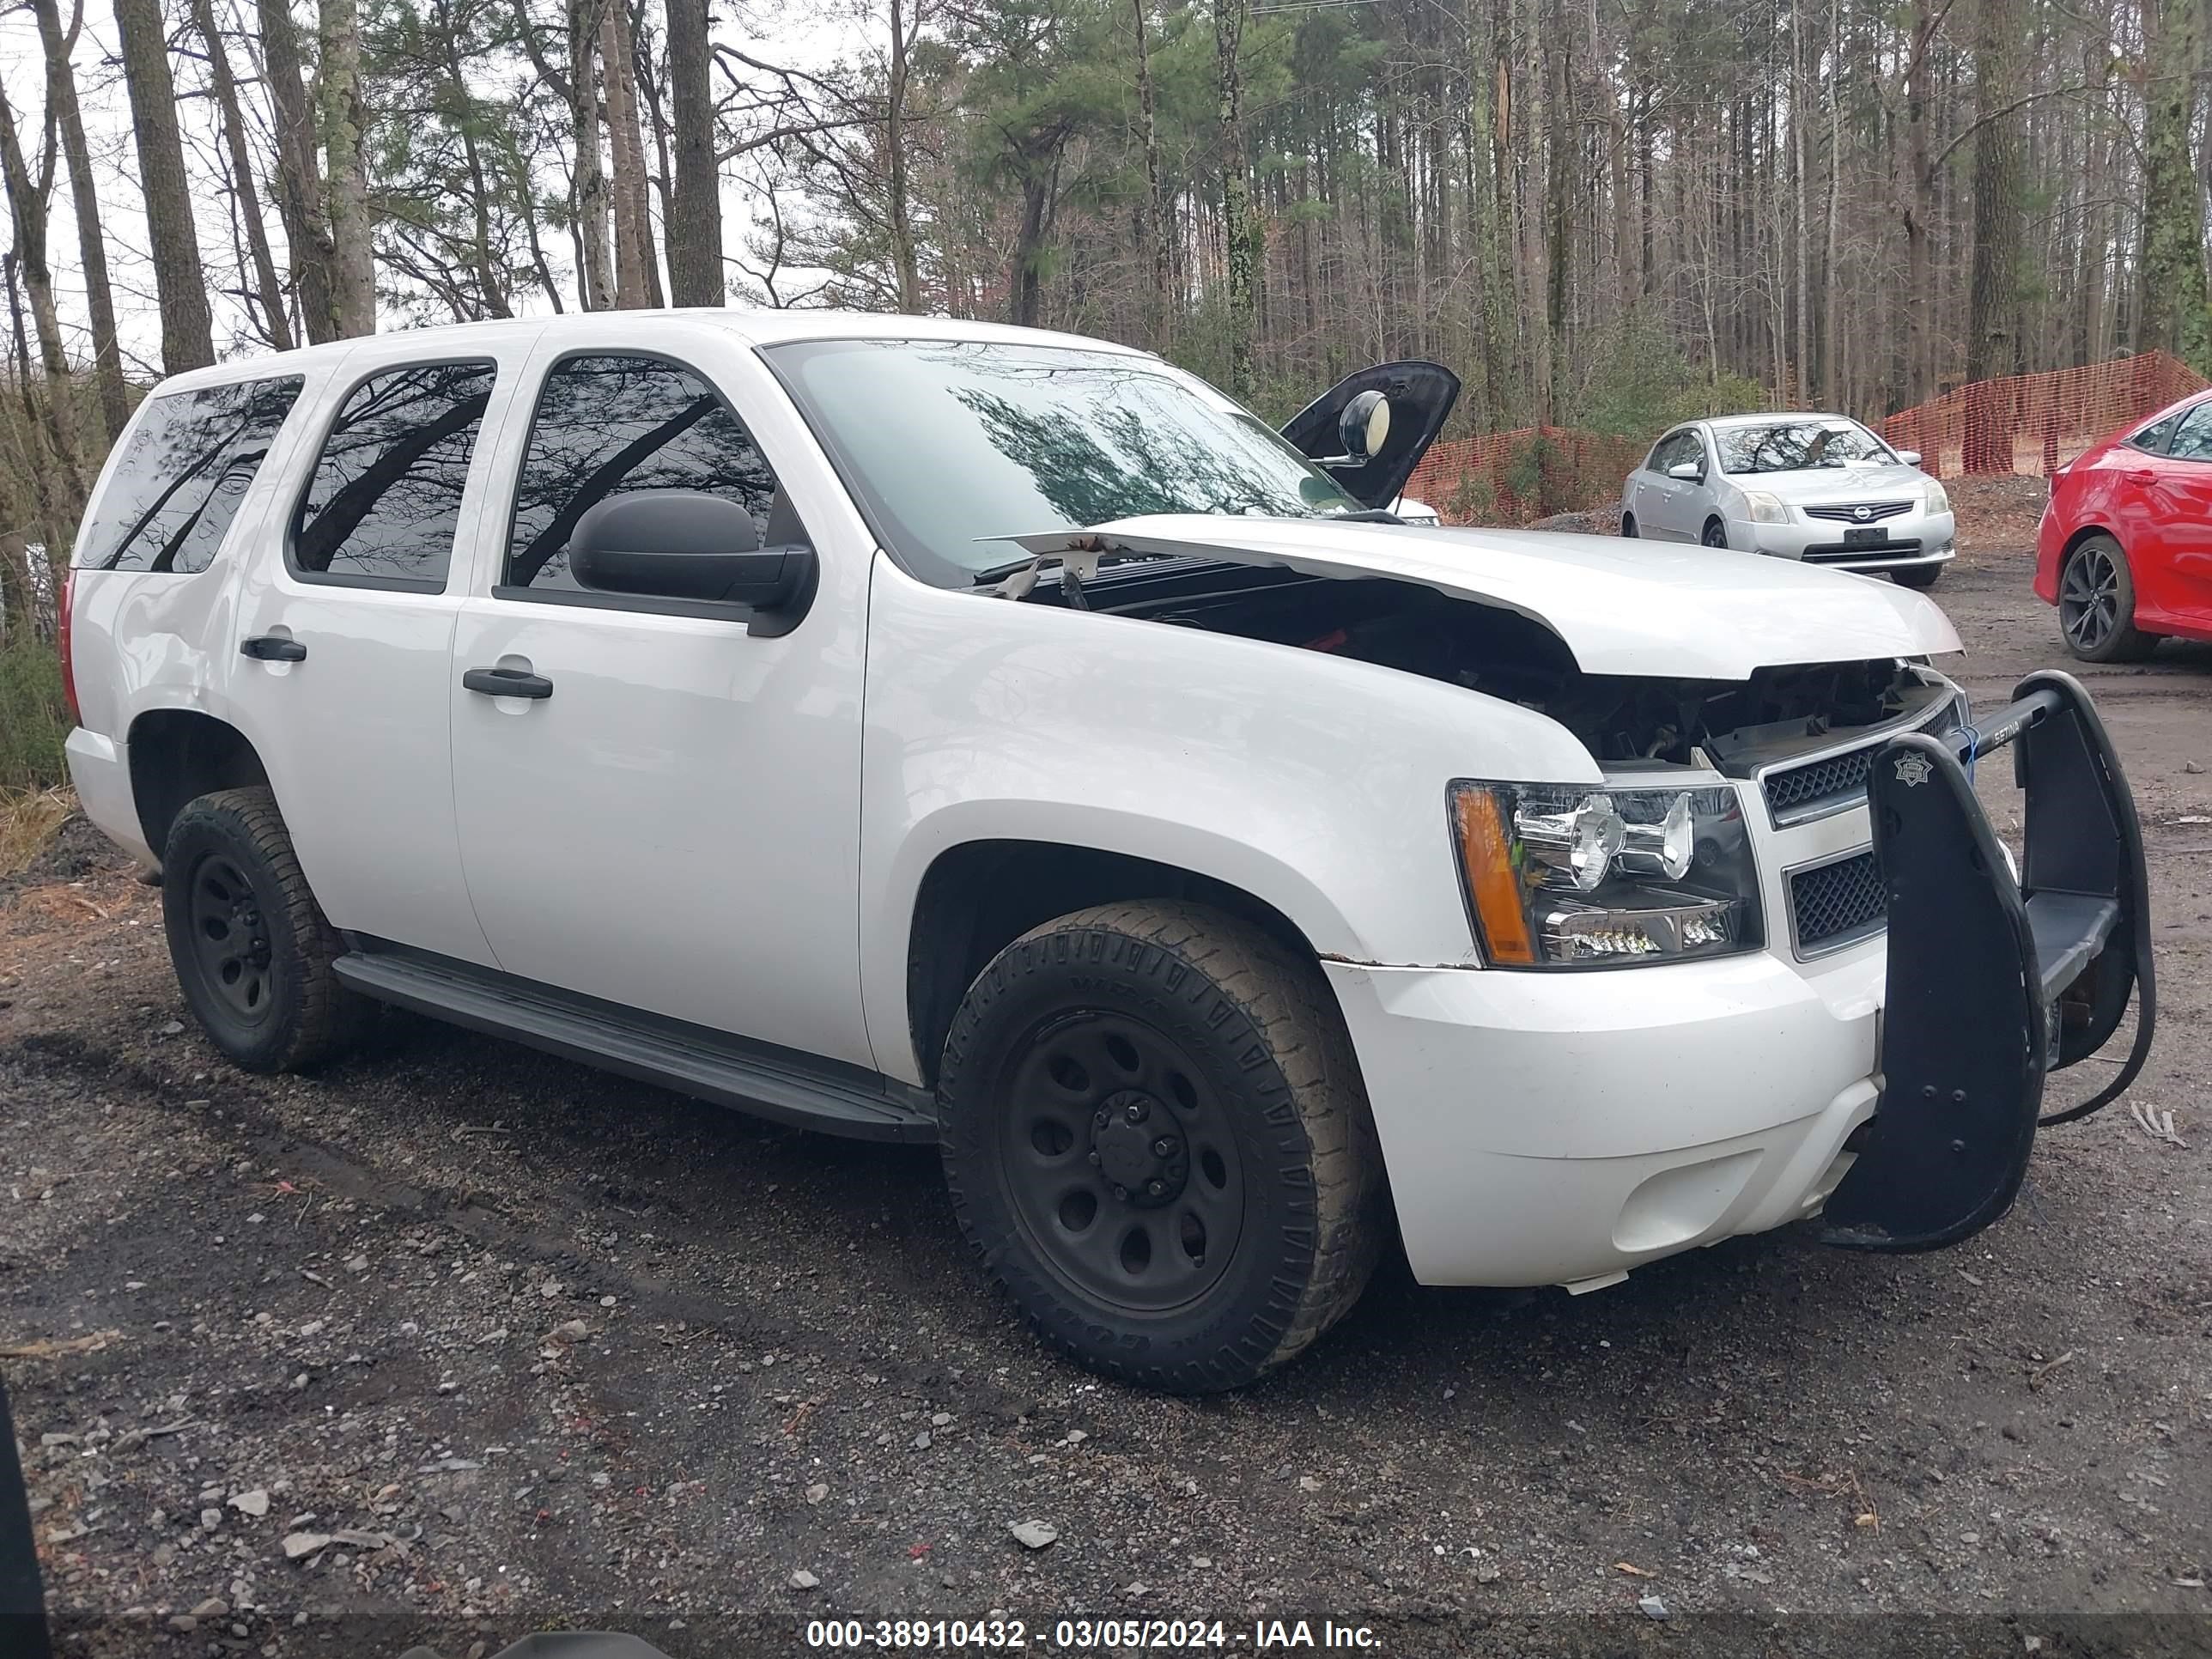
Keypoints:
pixel 1994 982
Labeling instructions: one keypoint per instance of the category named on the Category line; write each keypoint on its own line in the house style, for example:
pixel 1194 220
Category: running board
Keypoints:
pixel 690 1060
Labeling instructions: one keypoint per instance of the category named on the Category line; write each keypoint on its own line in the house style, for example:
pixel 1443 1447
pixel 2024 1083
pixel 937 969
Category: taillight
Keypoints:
pixel 69 664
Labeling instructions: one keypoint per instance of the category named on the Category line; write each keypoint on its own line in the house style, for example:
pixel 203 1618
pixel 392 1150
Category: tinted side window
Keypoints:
pixel 2192 438
pixel 2155 437
pixel 607 426
pixel 386 494
pixel 175 489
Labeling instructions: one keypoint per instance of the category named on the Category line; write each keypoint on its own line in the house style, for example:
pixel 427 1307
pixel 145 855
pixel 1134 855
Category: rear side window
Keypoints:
pixel 385 498
pixel 2192 438
pixel 178 484
pixel 607 426
pixel 2158 434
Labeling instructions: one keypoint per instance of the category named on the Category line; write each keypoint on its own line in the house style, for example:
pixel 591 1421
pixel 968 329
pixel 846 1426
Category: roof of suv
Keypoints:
pixel 663 326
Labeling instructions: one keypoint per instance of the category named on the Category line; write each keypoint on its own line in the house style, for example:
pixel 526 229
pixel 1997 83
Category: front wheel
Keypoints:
pixel 1924 577
pixel 251 949
pixel 2097 605
pixel 1716 533
pixel 1156 1141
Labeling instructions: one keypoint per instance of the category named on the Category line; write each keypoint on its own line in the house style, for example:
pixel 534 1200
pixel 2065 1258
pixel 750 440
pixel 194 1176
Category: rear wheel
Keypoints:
pixel 252 948
pixel 2097 605
pixel 1156 1141
pixel 1628 526
pixel 1924 576
pixel 1716 533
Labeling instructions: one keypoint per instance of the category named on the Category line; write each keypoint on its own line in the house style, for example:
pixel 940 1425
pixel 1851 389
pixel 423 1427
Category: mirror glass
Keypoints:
pixel 1364 426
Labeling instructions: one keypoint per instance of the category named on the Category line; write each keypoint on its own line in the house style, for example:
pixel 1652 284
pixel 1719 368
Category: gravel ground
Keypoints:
pixel 453 1341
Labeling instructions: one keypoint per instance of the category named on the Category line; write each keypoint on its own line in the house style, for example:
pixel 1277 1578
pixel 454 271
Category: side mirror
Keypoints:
pixel 1910 457
pixel 1364 426
pixel 684 545
pixel 1688 471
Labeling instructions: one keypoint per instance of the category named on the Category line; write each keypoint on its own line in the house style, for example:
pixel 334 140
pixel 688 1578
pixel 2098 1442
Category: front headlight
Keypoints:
pixel 1765 508
pixel 1933 500
pixel 1572 876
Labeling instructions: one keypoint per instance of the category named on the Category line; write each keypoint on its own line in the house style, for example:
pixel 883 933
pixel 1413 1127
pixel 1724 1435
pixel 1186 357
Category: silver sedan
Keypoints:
pixel 1819 487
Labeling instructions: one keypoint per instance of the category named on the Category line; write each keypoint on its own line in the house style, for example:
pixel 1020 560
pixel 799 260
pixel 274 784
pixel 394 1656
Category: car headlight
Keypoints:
pixel 1933 500
pixel 1564 876
pixel 1765 508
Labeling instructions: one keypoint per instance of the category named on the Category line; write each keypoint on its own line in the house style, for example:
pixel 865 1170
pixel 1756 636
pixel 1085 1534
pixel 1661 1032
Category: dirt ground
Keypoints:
pixel 496 1342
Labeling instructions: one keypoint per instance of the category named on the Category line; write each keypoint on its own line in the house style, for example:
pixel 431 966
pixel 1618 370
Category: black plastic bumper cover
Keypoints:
pixel 1994 982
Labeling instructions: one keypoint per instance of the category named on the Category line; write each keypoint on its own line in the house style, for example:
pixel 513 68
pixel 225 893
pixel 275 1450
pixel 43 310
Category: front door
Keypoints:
pixel 1672 513
pixel 673 824
pixel 339 671
pixel 2170 557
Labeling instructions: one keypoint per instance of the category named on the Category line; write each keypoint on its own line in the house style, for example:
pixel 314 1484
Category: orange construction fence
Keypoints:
pixel 2035 423
pixel 1510 477
pixel 2023 424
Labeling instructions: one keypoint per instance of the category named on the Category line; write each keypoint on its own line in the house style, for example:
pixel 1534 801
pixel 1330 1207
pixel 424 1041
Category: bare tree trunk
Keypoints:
pixel 298 173
pixel 275 323
pixel 636 278
pixel 2171 313
pixel 180 284
pixel 1155 230
pixel 594 279
pixel 1535 282
pixel 695 207
pixel 1831 286
pixel 345 191
pixel 1919 208
pixel 84 200
pixel 904 269
pixel 1236 199
pixel 1993 289
pixel 28 197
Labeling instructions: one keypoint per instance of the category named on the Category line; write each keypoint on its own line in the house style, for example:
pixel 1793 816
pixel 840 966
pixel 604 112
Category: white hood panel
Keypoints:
pixel 1622 606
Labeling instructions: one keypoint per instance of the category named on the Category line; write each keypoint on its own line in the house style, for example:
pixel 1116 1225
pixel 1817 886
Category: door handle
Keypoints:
pixel 272 647
pixel 507 682
pixel 2142 475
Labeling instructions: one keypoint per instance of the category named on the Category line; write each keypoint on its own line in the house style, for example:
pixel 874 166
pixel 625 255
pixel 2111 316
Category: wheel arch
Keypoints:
pixel 177 755
pixel 977 897
pixel 2085 533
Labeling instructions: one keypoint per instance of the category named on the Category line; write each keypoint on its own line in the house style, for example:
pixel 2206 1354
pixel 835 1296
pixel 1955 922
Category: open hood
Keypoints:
pixel 1620 606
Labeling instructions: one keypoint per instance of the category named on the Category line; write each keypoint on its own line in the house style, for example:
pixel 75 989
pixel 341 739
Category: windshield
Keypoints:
pixel 949 445
pixel 1788 445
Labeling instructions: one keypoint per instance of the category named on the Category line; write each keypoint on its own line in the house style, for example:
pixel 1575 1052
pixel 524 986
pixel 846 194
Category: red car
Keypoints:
pixel 2125 549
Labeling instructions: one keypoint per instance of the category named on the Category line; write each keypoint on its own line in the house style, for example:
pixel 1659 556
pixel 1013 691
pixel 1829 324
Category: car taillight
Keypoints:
pixel 68 665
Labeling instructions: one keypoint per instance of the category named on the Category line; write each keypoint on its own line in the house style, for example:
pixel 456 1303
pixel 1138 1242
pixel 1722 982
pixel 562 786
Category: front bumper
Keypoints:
pixel 1559 1128
pixel 1917 541
pixel 1552 1128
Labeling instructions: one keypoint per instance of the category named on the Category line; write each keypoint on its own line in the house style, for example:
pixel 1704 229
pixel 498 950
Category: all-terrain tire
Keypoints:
pixel 229 866
pixel 1238 1047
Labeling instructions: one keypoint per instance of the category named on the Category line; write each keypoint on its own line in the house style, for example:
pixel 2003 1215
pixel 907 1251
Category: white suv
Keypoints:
pixel 938 732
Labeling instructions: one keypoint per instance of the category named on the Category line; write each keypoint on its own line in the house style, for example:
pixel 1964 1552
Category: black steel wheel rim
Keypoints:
pixel 1120 1162
pixel 2089 598
pixel 230 939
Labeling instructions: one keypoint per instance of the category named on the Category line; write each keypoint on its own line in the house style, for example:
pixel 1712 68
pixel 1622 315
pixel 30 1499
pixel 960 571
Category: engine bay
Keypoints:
pixel 1732 725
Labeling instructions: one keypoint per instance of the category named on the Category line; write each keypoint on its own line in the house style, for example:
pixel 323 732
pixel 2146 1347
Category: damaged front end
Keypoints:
pixel 1994 981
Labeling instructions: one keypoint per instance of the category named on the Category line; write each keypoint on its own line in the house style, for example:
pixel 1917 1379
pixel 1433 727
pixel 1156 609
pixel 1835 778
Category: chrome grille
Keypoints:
pixel 1833 905
pixel 1858 512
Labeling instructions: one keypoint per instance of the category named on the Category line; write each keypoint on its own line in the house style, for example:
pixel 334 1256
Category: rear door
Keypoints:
pixel 673 825
pixel 339 660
